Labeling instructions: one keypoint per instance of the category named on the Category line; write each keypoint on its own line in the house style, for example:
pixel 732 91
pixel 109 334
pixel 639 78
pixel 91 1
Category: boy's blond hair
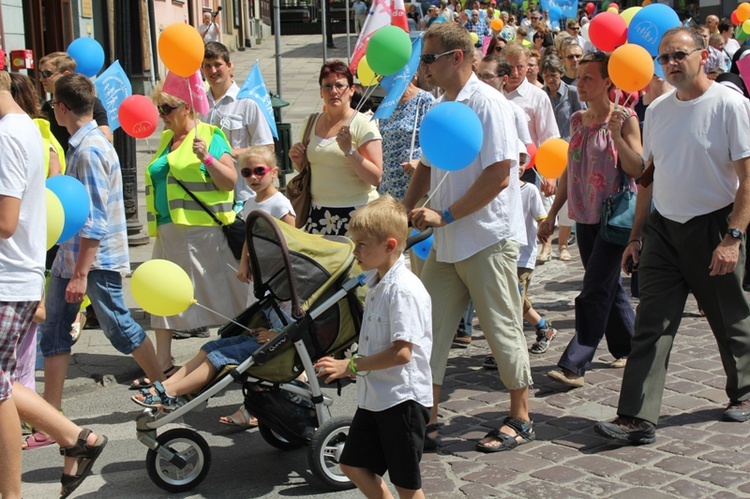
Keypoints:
pixel 383 218
pixel 263 153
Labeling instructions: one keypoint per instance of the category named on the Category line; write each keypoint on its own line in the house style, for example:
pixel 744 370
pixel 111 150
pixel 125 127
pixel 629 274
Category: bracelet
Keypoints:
pixel 640 244
pixel 353 369
pixel 209 160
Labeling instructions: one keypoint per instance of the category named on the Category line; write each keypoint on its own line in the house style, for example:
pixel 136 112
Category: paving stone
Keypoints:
pixel 721 476
pixel 685 448
pixel 557 474
pixel 689 489
pixel 683 432
pixel 514 461
pixel 489 476
pixel 683 386
pixel 548 432
pixel 724 456
pixel 480 490
pixel 551 452
pixel 645 477
pixel 641 493
pixel 684 402
pixel 581 440
pixel 633 454
pixel 437 486
pixel 463 466
pixel 681 465
pixel 744 488
pixel 537 489
pixel 599 465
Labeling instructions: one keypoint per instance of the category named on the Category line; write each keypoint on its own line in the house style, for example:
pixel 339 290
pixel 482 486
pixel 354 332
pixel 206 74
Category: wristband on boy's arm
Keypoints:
pixel 351 365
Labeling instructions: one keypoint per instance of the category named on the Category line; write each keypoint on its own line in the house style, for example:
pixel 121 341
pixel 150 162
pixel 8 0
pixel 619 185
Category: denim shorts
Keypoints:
pixel 104 288
pixel 230 351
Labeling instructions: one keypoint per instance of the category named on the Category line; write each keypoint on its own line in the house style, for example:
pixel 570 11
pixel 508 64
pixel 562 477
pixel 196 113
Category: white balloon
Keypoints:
pixel 585 32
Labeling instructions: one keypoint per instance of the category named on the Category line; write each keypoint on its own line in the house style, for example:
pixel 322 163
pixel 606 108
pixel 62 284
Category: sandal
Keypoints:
pixel 144 382
pixel 543 339
pixel 77 327
pixel 86 455
pixel 564 253
pixel 244 421
pixel 524 434
pixel 158 400
pixel 36 440
pixel 429 442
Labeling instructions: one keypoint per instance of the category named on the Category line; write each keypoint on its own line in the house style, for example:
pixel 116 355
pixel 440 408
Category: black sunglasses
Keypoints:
pixel 165 109
pixel 677 56
pixel 430 58
pixel 258 171
pixel 54 103
pixel 46 73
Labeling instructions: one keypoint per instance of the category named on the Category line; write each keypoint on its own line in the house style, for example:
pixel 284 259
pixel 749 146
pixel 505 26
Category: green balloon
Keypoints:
pixel 742 36
pixel 388 50
pixel 525 5
pixel 605 5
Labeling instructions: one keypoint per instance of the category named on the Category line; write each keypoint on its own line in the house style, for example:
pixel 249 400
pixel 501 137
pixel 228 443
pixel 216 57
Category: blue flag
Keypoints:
pixel 112 86
pixel 254 88
pixel 396 84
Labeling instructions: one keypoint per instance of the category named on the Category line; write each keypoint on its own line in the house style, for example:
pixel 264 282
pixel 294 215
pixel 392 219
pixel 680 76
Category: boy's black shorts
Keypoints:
pixel 391 440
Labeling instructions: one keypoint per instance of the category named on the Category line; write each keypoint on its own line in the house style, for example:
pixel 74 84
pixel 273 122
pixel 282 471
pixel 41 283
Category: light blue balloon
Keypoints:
pixel 88 54
pixel 649 24
pixel 658 70
pixel 423 248
pixel 555 13
pixel 451 135
pixel 75 201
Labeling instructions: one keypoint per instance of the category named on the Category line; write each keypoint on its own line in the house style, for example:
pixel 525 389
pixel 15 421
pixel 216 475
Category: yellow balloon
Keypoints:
pixel 629 13
pixel 55 218
pixel 552 158
pixel 366 75
pixel 161 287
pixel 474 37
pixel 613 9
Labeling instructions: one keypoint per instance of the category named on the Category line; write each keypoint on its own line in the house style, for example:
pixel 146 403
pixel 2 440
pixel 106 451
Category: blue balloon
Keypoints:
pixel 659 71
pixel 75 201
pixel 649 24
pixel 88 54
pixel 555 13
pixel 423 248
pixel 451 135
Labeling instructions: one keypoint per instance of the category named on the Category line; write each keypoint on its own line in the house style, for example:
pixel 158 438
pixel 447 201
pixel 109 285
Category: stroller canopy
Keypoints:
pixel 296 266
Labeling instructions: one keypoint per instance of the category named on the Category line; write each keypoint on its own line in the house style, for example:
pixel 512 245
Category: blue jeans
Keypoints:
pixel 104 289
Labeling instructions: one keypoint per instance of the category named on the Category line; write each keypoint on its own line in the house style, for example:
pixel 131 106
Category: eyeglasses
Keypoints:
pixel 54 103
pixel 340 87
pixel 487 76
pixel 430 58
pixel 498 48
pixel 570 57
pixel 575 28
pixel 46 73
pixel 677 56
pixel 258 171
pixel 165 109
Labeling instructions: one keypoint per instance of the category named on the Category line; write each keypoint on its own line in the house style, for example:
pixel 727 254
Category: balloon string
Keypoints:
pixel 414 130
pixel 223 316
pixel 617 98
pixel 366 95
pixel 627 99
pixel 436 188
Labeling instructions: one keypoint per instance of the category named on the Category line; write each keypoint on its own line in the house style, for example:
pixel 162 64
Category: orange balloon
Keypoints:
pixel 743 12
pixel 497 24
pixel 552 158
pixel 645 3
pixel 630 67
pixel 181 49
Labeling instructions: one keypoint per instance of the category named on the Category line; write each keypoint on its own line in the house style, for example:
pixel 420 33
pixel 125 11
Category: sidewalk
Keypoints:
pixel 694 456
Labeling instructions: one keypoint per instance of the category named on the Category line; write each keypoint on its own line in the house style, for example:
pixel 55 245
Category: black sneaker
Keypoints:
pixel 199 332
pixel 626 429
pixel 739 412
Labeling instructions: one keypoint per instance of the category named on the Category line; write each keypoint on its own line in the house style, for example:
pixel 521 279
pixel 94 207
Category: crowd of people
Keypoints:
pixel 493 223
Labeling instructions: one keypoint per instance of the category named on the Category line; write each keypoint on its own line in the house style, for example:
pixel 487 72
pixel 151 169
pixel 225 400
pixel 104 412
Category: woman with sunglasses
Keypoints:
pixel 345 155
pixel 496 44
pixel 192 159
pixel 605 152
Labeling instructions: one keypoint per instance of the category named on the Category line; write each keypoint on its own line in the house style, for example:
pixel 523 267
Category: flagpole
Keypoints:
pixel 348 36
pixel 277 39
pixel 323 29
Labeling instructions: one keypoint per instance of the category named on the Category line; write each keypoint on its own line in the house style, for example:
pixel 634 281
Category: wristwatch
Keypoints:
pixel 447 216
pixel 734 233
pixel 349 154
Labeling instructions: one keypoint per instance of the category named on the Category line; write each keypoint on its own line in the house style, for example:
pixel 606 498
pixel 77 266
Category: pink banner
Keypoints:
pixel 486 44
pixel 191 90
pixel 744 66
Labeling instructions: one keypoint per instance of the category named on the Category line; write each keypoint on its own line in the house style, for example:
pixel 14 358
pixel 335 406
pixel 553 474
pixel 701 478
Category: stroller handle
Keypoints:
pixel 418 238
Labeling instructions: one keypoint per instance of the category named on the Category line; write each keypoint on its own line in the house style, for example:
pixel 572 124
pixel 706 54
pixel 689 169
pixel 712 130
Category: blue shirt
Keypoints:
pixel 92 160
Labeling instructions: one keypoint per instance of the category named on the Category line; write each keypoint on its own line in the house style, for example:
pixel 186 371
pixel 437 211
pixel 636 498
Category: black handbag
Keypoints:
pixel 234 232
pixel 618 212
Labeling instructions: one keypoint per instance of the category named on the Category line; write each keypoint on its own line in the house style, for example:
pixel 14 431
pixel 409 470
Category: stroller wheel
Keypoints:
pixel 276 440
pixel 189 446
pixel 325 450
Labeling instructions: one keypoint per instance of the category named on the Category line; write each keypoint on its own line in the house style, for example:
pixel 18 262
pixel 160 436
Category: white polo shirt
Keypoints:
pixel 536 103
pixel 501 218
pixel 693 144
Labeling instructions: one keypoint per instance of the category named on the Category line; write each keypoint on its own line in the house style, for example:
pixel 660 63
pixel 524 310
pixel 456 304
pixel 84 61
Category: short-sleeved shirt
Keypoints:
pixel 277 206
pixel 693 145
pixel 502 217
pixel 243 123
pixel 22 177
pixel 534 212
pixel 60 132
pixel 211 32
pixel 593 174
pixel 536 103
pixel 397 308
pixel 359 8
pixel 397 132
pixel 565 102
pixel 334 183
pixel 93 160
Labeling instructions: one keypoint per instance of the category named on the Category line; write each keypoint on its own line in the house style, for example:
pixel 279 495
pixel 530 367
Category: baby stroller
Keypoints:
pixel 319 286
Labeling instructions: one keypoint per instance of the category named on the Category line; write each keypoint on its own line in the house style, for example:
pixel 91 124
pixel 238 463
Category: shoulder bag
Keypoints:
pixel 618 212
pixel 234 232
pixel 298 189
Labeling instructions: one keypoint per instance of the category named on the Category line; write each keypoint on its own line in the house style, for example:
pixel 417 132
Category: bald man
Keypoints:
pixel 712 22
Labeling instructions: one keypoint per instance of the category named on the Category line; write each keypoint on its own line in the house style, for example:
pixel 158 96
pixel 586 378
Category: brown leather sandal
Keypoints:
pixel 86 455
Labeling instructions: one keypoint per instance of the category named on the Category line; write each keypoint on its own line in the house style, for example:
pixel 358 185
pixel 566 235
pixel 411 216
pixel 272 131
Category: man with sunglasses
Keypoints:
pixel 241 120
pixel 572 55
pixel 51 67
pixel 573 27
pixel 696 141
pixel 479 227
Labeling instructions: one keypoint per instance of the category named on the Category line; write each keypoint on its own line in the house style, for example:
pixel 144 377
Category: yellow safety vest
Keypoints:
pixel 49 140
pixel 185 166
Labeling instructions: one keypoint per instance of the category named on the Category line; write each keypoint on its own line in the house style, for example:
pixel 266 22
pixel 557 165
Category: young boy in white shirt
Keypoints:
pixel 394 389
